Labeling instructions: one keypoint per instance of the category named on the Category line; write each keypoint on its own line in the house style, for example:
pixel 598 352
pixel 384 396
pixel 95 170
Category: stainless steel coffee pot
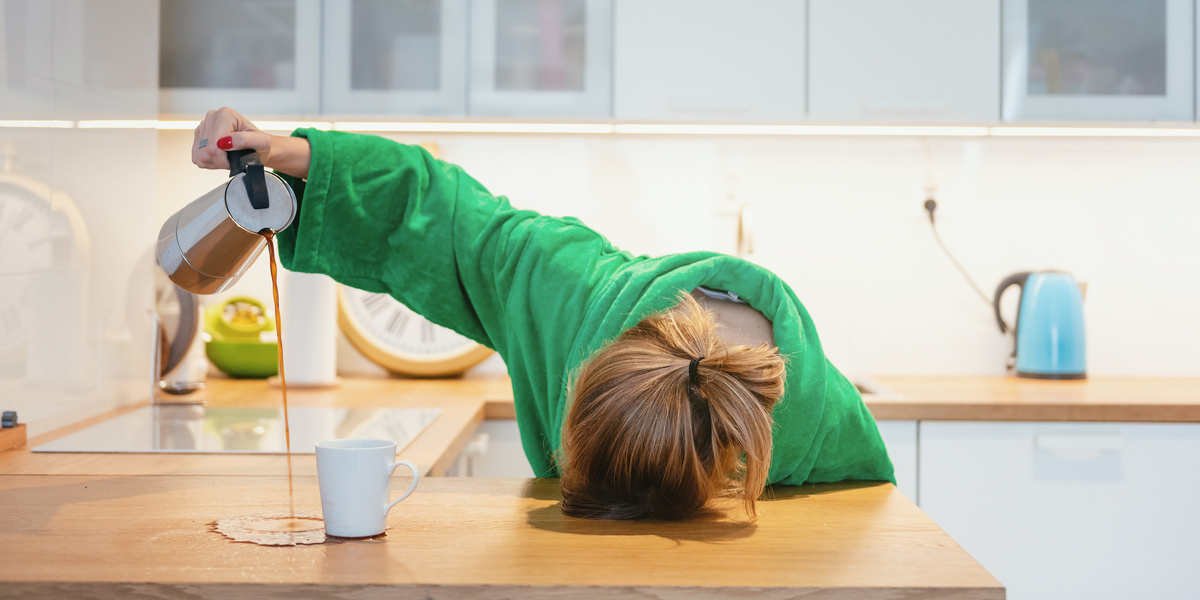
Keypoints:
pixel 206 246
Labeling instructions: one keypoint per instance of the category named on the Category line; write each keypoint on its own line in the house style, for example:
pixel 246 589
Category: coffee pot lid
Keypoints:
pixel 278 210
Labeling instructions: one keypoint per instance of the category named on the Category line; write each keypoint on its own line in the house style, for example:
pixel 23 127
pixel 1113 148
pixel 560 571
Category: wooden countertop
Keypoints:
pixel 148 536
pixel 120 525
pixel 984 398
pixel 1115 399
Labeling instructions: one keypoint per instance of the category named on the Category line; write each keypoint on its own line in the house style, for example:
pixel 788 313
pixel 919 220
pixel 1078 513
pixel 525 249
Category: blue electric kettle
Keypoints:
pixel 1050 334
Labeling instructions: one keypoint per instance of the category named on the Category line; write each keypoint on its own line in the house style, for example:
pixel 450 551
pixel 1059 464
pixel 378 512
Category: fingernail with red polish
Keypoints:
pixel 225 143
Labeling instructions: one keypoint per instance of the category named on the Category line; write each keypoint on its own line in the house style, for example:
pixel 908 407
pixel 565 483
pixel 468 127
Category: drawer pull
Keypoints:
pixel 1079 442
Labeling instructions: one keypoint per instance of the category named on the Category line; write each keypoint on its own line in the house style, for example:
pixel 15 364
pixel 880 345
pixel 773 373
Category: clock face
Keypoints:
pixel 400 340
pixel 25 247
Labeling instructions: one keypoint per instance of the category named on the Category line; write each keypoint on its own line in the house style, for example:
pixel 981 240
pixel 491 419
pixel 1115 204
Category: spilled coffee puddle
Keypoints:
pixel 279 530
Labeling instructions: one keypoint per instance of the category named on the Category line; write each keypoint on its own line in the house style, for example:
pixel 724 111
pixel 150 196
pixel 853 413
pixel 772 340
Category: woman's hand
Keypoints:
pixel 224 129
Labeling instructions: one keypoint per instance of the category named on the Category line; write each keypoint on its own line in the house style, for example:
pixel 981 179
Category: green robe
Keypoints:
pixel 547 292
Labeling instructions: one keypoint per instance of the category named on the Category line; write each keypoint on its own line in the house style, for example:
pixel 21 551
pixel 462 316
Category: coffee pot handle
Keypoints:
pixel 1017 279
pixel 247 161
pixel 240 159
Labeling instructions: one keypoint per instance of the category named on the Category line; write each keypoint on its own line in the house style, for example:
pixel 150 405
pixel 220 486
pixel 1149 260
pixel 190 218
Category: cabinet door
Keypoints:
pixel 1070 510
pixel 99 75
pixel 541 58
pixel 1123 60
pixel 396 57
pixel 700 60
pixel 261 57
pixel 27 59
pixel 918 60
pixel 900 437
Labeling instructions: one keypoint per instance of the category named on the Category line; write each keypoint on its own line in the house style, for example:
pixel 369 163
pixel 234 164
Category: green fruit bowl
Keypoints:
pixel 251 359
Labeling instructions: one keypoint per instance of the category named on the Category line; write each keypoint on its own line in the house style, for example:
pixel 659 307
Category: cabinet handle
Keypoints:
pixel 1079 442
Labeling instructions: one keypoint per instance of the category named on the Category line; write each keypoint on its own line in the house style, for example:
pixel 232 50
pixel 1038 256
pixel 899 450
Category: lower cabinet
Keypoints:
pixel 900 437
pixel 1070 510
pixel 494 451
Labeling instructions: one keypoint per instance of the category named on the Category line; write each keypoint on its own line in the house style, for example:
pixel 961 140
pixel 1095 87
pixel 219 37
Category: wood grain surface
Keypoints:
pixel 1113 399
pixel 148 536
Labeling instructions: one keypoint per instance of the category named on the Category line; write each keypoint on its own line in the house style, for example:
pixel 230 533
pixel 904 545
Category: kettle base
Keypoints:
pixel 1051 375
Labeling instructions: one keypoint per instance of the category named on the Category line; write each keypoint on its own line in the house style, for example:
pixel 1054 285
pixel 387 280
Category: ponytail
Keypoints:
pixel 668 417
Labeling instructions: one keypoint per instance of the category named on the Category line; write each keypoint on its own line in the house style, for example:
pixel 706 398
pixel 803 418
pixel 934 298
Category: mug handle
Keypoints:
pixel 416 478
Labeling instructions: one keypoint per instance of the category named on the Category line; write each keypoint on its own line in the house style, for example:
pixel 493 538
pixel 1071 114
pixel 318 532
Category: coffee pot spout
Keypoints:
pixel 206 246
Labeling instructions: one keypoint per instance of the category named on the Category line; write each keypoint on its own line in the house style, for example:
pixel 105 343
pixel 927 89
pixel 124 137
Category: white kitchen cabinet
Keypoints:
pixel 707 61
pixel 541 58
pixel 260 56
pixel 900 438
pixel 917 60
pixel 1098 60
pixel 27 59
pixel 1070 510
pixel 389 57
pixel 494 451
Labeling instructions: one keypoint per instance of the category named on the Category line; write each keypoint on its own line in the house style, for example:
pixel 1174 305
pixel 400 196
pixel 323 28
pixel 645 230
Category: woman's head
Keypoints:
pixel 650 436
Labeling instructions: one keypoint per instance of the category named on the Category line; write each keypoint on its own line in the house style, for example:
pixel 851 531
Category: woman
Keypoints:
pixel 650 385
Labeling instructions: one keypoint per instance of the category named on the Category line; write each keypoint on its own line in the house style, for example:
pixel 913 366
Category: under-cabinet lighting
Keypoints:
pixel 432 127
pixel 667 129
pixel 263 125
pixel 38 124
pixel 118 124
pixel 1095 131
pixel 1181 130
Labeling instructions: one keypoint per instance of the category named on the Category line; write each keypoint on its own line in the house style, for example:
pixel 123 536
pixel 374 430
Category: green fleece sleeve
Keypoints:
pixel 389 218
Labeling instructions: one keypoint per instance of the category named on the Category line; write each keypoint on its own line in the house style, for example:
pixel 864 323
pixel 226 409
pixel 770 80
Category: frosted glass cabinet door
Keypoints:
pixel 912 61
pixel 704 60
pixel 1114 60
pixel 541 58
pixel 396 57
pixel 26 60
pixel 261 57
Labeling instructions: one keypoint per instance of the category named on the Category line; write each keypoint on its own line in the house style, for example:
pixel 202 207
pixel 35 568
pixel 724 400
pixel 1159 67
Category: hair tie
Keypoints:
pixel 693 371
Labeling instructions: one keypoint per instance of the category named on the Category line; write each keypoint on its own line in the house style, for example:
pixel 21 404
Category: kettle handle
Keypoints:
pixel 1017 279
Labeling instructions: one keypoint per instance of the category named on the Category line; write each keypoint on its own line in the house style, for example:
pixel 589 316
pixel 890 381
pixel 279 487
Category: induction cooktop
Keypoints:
pixel 200 429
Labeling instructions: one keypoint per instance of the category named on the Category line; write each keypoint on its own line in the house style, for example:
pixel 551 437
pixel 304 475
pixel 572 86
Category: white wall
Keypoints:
pixel 841 219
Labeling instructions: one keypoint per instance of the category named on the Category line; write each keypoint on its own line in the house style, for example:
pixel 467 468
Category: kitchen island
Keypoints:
pixel 138 525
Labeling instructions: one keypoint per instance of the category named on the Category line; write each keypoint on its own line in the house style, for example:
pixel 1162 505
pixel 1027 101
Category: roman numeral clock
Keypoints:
pixel 394 337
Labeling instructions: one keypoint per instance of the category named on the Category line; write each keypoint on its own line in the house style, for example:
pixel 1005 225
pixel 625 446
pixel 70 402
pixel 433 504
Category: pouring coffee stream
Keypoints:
pixel 207 246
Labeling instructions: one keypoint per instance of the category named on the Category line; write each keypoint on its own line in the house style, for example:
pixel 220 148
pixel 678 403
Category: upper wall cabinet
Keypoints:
pixel 27 58
pixel 259 56
pixel 917 60
pixel 708 60
pixel 1117 60
pixel 60 59
pixel 406 57
pixel 541 58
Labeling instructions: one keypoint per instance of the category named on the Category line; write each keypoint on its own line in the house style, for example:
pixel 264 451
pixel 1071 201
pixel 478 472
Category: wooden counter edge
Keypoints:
pixel 30 590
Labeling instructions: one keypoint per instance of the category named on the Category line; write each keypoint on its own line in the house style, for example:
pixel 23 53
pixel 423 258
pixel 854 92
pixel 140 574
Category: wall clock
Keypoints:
pixel 394 337
pixel 42 239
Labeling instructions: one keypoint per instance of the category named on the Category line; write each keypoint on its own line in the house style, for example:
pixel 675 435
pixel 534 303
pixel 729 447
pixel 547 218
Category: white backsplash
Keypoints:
pixel 74 289
pixel 841 220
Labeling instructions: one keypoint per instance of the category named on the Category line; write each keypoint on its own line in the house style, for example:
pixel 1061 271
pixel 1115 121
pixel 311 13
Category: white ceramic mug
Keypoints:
pixel 354 476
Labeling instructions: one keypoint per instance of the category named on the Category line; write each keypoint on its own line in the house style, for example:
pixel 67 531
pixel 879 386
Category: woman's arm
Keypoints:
pixel 224 129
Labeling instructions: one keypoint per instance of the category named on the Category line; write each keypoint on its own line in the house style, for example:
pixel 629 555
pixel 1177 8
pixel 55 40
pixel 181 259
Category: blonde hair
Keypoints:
pixel 644 439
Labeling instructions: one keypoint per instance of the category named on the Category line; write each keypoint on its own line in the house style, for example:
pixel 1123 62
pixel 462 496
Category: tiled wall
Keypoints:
pixel 76 207
pixel 841 219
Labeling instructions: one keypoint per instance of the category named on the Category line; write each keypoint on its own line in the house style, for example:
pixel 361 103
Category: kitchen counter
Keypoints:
pixel 108 525
pixel 148 536
pixel 1114 399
